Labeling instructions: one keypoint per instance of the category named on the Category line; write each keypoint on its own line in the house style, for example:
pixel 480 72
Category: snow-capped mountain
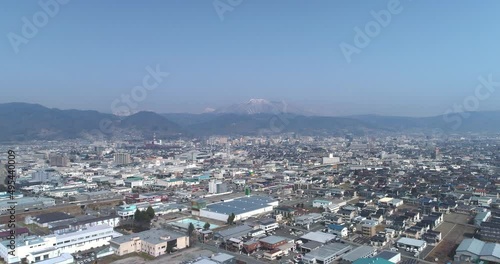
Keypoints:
pixel 261 106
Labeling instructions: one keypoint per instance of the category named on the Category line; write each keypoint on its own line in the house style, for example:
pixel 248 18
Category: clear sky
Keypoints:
pixel 88 53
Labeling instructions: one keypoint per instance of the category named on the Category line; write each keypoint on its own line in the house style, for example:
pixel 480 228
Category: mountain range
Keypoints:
pixel 23 121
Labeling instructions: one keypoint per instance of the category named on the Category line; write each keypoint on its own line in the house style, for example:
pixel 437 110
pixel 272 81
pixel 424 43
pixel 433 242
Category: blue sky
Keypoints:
pixel 89 53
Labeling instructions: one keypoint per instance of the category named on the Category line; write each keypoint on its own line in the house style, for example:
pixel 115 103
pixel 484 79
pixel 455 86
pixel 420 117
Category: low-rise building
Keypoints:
pixel 474 250
pixel 326 254
pixel 338 230
pixel 155 242
pixel 358 253
pixel 412 244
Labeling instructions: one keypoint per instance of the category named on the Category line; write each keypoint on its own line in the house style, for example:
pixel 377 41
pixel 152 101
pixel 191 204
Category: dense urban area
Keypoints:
pixel 254 199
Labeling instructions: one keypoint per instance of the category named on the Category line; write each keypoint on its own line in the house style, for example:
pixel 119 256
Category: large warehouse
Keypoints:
pixel 243 208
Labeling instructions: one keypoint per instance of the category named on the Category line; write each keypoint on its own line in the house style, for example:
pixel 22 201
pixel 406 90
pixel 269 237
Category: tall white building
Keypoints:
pixel 331 160
pixel 212 186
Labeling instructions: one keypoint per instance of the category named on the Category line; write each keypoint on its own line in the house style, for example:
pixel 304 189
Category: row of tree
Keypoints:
pixel 143 218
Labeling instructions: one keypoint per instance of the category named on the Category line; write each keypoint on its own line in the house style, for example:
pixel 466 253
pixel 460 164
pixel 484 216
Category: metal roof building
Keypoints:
pixel 320 237
pixel 412 243
pixel 243 208
pixel 357 253
pixel 234 232
pixel 327 254
pixel 472 249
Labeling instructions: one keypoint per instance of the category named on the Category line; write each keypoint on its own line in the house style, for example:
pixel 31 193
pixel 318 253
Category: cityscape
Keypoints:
pixel 249 132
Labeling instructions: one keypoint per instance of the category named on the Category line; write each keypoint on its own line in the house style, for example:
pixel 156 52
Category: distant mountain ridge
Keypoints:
pixel 261 106
pixel 22 121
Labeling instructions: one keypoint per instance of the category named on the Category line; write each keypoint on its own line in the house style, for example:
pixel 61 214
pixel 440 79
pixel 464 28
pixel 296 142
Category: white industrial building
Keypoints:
pixel 331 160
pixel 243 208
pixel 34 249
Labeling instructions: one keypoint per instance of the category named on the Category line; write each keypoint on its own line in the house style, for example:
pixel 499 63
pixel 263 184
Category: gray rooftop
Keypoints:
pixel 240 205
pixel 152 236
pixel 327 251
pixel 318 237
pixel 272 239
pixel 236 231
pixel 357 253
pixel 479 248
pixel 222 257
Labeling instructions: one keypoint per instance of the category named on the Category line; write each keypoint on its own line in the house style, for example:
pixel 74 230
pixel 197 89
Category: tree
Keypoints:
pixel 230 219
pixel 206 226
pixel 190 229
pixel 150 212
pixel 138 216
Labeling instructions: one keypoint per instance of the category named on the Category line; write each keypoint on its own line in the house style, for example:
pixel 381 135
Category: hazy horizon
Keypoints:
pixel 427 58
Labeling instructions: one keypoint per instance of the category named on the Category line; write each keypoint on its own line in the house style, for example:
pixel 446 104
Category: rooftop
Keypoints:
pixel 152 236
pixel 240 205
pixel 318 237
pixel 327 251
pixel 272 239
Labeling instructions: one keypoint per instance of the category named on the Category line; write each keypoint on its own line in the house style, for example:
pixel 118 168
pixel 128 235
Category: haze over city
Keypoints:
pixel 426 58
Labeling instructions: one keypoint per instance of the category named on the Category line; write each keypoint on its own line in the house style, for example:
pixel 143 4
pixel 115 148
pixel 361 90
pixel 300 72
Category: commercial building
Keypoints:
pixel 233 232
pixel 272 242
pixel 474 250
pixel 307 219
pixel 268 224
pixel 412 244
pixel 48 219
pixel 33 248
pixel 155 242
pixel 326 254
pixel 358 253
pixel 242 208
pixel 319 237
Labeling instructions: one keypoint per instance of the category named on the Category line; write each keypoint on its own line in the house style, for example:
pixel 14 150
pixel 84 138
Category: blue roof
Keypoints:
pixel 336 227
pixel 372 261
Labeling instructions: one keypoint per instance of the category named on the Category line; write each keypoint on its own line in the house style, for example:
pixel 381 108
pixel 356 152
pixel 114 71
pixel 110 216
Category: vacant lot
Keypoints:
pixel 453 230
